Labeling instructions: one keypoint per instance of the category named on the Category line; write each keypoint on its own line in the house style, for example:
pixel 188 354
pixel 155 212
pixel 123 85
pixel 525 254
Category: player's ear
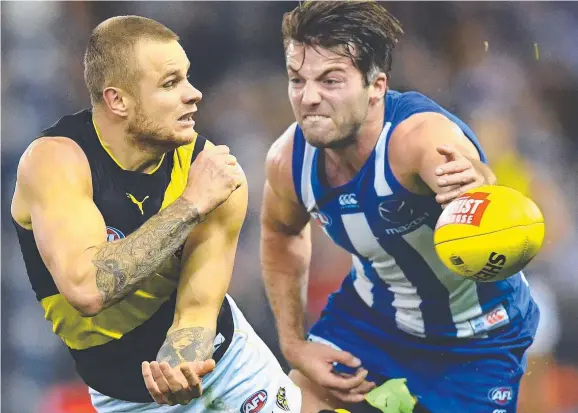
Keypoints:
pixel 377 86
pixel 116 100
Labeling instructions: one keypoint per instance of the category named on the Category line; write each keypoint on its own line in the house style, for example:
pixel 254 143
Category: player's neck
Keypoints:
pixel 350 159
pixel 125 152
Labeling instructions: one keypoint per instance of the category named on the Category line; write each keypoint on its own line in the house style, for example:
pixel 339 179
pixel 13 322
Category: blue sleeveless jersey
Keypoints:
pixel 389 232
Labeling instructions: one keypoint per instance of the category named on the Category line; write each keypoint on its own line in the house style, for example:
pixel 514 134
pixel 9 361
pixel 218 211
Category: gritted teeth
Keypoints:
pixel 315 117
pixel 187 117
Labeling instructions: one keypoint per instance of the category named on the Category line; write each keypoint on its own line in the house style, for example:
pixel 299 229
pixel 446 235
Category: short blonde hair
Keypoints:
pixel 110 57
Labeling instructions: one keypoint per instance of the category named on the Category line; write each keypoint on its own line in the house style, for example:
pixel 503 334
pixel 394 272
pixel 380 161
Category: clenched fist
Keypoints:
pixel 213 177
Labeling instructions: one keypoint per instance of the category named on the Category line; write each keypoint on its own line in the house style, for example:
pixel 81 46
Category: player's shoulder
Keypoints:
pixel 418 120
pixel 413 111
pixel 76 126
pixel 282 147
pixel 279 161
pixel 415 125
pixel 48 155
pixel 48 166
pixel 410 98
pixel 402 106
pixel 61 144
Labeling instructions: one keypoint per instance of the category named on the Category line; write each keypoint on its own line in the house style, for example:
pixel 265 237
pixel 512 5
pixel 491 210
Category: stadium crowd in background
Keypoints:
pixel 509 69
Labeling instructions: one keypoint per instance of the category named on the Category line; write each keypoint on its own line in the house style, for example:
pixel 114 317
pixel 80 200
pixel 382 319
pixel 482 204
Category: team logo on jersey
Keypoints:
pixel 282 399
pixel 255 402
pixel 113 234
pixel 348 201
pixel 501 395
pixel 395 211
pixel 322 219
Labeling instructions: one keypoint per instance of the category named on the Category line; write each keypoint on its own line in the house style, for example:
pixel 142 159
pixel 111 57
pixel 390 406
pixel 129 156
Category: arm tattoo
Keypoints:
pixel 187 344
pixel 123 264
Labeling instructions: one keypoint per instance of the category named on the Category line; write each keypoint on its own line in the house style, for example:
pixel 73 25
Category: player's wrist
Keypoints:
pixel 197 209
pixel 291 347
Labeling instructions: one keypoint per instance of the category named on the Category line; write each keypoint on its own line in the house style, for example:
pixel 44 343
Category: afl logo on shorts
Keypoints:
pixel 254 402
pixel 113 234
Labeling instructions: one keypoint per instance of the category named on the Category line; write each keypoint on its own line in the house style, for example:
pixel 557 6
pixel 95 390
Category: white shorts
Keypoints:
pixel 248 379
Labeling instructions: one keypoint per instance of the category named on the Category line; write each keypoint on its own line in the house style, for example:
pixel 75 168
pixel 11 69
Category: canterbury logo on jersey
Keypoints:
pixel 347 200
pixel 136 202
pixel 491 320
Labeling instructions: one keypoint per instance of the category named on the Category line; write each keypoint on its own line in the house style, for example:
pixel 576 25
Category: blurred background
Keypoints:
pixel 509 69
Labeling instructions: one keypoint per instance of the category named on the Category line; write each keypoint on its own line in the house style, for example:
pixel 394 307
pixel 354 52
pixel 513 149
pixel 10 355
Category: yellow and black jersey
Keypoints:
pixel 110 347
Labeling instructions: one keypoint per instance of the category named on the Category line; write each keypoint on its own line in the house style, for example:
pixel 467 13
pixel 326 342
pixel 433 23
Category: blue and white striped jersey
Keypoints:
pixel 389 232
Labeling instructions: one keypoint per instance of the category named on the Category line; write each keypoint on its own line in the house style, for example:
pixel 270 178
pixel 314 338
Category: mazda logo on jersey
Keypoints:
pixel 395 211
pixel 400 216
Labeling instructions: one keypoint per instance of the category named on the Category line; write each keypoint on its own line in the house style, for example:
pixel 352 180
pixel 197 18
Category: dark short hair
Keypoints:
pixel 110 58
pixel 367 25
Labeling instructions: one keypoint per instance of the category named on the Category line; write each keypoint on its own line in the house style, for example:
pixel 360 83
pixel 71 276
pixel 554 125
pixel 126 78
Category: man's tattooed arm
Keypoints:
pixel 187 344
pixel 122 265
pixel 208 260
